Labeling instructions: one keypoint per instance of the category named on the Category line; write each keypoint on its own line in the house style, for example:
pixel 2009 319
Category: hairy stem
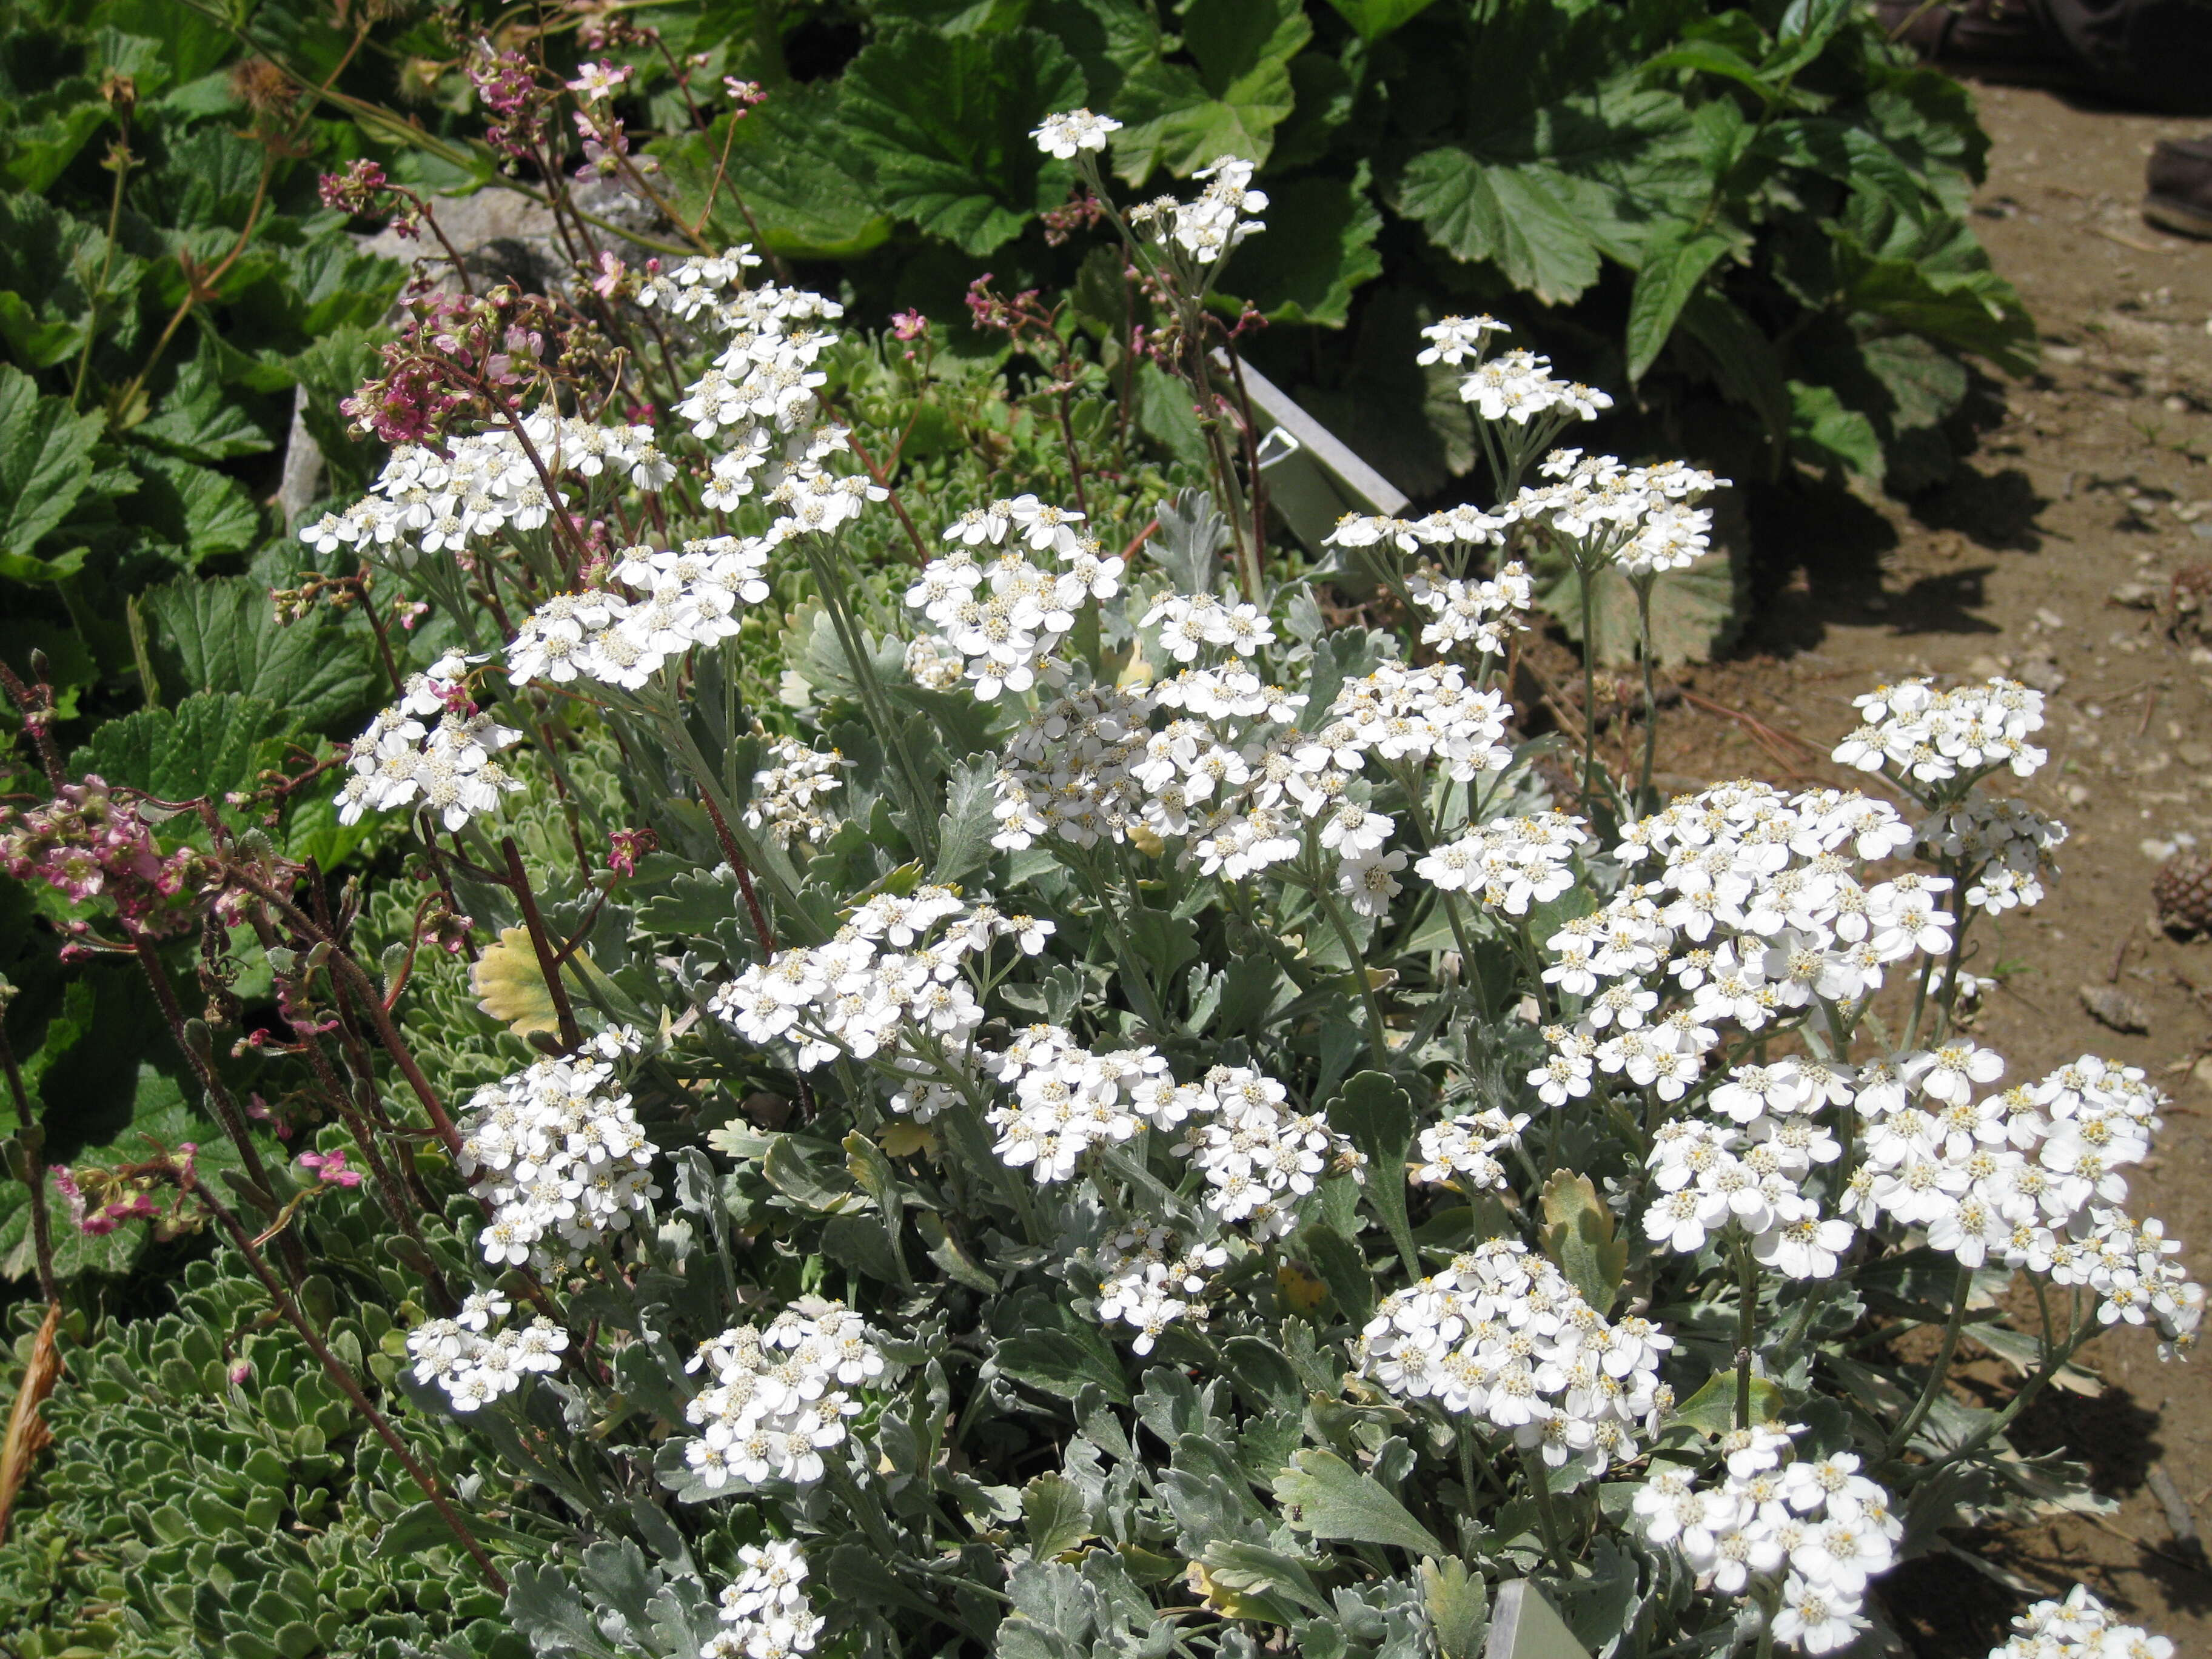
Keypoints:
pixel 289 1311
pixel 1940 1373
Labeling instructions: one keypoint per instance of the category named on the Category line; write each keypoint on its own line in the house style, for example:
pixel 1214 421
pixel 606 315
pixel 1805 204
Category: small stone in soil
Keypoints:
pixel 2110 1006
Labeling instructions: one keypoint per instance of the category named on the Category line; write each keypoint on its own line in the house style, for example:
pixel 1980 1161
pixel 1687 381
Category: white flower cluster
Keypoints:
pixel 2080 1627
pixel 474 1364
pixel 423 503
pixel 1071 130
pixel 1463 1151
pixel 1519 387
pixel 1759 909
pixel 568 1158
pixel 1189 622
pixel 1509 863
pixel 1503 1335
pixel 1453 340
pixel 692 596
pixel 1217 220
pixel 1003 619
pixel 762 385
pixel 1929 735
pixel 2030 1177
pixel 1819 1524
pixel 1637 517
pixel 1147 1279
pixel 876 985
pixel 445 769
pixel 1481 614
pixel 1088 767
pixel 1068 1099
pixel 1259 1157
pixel 1451 526
pixel 696 285
pixel 767 1609
pixel 1746 1168
pixel 787 793
pixel 779 1397
pixel 2002 849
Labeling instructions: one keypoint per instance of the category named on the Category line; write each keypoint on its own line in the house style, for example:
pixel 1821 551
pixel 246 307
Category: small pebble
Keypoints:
pixel 2110 1006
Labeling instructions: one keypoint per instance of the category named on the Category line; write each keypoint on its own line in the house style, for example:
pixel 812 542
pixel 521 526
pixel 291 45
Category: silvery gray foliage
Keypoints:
pixel 1211 1139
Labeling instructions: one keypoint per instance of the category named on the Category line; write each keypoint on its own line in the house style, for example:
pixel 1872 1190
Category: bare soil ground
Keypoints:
pixel 2092 476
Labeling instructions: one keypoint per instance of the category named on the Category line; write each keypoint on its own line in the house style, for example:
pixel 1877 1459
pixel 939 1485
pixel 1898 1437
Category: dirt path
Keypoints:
pixel 2089 478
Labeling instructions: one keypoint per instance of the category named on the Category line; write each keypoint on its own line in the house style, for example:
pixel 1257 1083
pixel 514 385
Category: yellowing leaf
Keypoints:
pixel 906 1138
pixel 1300 1294
pixel 511 987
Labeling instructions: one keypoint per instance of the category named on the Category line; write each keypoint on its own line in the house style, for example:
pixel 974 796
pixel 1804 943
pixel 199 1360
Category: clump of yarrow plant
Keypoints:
pixel 1136 1104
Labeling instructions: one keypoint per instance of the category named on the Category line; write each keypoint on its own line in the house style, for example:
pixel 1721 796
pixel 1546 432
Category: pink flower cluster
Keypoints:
pixel 454 349
pixel 88 845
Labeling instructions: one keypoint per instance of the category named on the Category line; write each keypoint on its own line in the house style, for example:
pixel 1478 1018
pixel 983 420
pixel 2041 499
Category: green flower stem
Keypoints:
pixel 1335 912
pixel 1586 582
pixel 1747 1330
pixel 734 838
pixel 918 799
pixel 1132 967
pixel 1417 803
pixel 1960 1289
pixel 863 1506
pixel 1643 801
pixel 2018 1403
pixel 1547 1519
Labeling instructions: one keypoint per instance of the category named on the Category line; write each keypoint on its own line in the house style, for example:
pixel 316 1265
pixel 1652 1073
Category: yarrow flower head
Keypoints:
pixel 1064 135
pixel 569 1162
pixel 1503 1336
pixel 766 1609
pixel 431 752
pixel 475 1361
pixel 1926 735
pixel 779 1397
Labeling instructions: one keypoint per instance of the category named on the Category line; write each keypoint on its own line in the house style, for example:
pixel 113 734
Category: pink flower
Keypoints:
pixel 908 326
pixel 628 847
pixel 329 1167
pixel 610 279
pixel 596 81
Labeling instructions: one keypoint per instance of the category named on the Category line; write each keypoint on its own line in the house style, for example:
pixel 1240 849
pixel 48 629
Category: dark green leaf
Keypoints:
pixel 205 746
pixel 1544 189
pixel 945 119
pixel 1825 434
pixel 1228 102
pixel 224 635
pixel 46 461
pixel 1319 246
pixel 204 512
pixel 1672 270
pixel 795 166
pixel 1374 19
pixel 198 422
